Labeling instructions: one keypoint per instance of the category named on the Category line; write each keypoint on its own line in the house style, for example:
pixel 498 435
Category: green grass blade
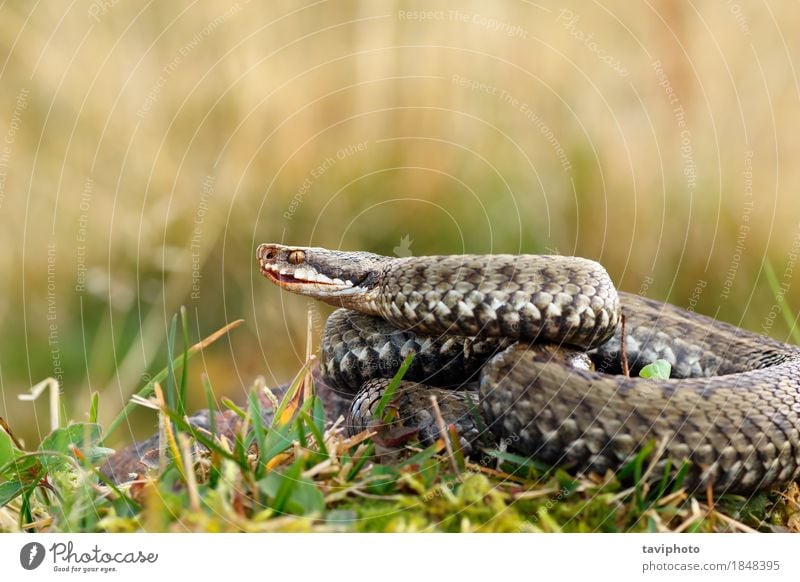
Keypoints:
pixel 420 457
pixel 287 398
pixel 361 460
pixel 93 407
pixel 476 417
pixel 259 432
pixel 318 414
pixel 315 431
pixel 301 432
pixel 173 326
pixel 519 460
pixel 665 478
pixel 392 387
pixel 231 405
pixel 183 388
pixel 26 513
pixel 455 444
pixel 210 403
pixel 680 477
pixel 291 476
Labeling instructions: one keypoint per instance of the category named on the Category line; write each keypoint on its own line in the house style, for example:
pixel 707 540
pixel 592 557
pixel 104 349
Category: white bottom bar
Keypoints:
pixel 409 557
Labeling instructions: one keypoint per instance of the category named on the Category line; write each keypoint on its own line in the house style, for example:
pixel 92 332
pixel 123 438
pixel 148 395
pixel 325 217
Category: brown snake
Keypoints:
pixel 731 407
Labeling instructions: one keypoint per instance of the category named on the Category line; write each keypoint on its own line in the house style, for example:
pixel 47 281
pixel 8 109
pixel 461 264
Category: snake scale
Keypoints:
pixel 536 342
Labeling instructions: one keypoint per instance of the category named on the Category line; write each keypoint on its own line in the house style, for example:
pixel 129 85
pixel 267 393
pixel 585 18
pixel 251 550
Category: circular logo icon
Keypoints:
pixel 31 555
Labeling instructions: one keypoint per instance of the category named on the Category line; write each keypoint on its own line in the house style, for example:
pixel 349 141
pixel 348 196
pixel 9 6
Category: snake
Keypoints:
pixel 535 345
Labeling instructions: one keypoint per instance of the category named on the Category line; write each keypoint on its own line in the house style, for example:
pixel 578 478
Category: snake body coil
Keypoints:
pixel 731 408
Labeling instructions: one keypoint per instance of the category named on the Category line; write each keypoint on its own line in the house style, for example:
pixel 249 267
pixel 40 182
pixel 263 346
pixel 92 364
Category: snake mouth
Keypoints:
pixel 286 277
pixel 281 279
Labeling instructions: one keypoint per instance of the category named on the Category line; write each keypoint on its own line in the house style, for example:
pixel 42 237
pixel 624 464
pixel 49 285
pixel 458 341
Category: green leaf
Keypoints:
pixel 293 494
pixel 82 436
pixel 8 450
pixel 277 440
pixel 9 491
pixel 26 466
pixel 385 478
pixel 526 462
pixel 658 370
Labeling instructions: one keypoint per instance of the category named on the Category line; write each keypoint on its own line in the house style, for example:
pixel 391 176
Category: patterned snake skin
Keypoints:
pixel 539 338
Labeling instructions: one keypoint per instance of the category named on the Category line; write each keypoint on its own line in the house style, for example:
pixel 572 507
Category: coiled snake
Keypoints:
pixel 541 337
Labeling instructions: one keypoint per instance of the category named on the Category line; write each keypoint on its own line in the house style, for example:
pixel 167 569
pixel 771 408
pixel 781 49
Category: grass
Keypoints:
pixel 296 474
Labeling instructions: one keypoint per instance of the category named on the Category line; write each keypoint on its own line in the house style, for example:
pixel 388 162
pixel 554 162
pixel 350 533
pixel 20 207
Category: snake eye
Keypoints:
pixel 296 257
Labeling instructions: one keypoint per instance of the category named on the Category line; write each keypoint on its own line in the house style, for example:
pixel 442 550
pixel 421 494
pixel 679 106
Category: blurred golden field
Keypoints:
pixel 146 149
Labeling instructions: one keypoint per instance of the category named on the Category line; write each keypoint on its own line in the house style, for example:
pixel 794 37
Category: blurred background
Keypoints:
pixel 146 149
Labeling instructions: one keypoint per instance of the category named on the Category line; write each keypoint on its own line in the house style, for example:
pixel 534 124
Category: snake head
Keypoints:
pixel 336 277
